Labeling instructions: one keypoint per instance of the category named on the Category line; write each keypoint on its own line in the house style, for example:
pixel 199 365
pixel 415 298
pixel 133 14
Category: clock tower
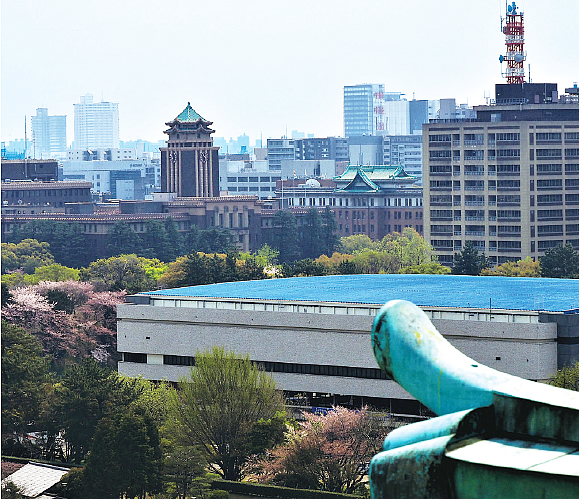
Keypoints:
pixel 190 162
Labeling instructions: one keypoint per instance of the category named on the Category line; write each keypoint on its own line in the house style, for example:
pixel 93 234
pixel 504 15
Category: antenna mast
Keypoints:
pixel 514 31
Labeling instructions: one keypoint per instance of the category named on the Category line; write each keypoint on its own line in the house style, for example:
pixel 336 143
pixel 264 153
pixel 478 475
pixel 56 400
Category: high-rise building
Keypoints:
pixel 405 151
pixel 364 110
pixel 190 162
pixel 48 134
pixel 508 180
pixel 278 149
pixel 96 124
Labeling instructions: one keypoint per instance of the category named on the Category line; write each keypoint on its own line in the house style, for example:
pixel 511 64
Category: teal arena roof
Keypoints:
pixel 511 293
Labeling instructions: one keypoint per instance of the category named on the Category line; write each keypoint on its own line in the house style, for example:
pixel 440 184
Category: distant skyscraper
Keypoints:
pixel 48 133
pixel 96 124
pixel 364 110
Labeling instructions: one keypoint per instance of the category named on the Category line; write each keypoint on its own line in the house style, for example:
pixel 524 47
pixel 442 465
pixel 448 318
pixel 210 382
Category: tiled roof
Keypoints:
pixel 189 115
pixel 375 173
pixel 34 478
pixel 61 184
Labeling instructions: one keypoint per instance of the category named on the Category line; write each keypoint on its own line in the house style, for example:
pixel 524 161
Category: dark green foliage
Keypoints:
pixel 329 240
pixel 87 393
pixel 561 262
pixel 122 240
pixel 184 467
pixel 73 484
pixel 125 458
pixel 24 376
pixel 257 489
pixel 60 300
pixel 311 235
pixel 6 295
pixel 347 267
pixel 469 261
pixel 66 240
pixel 303 268
pixel 214 240
pixel 11 491
pixel 286 236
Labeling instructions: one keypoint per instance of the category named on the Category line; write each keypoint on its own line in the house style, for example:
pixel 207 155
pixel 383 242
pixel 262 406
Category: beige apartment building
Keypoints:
pixel 508 181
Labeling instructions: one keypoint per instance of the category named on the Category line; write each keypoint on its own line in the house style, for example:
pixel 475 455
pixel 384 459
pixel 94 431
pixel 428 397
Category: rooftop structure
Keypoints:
pixel 313 334
pixel 466 292
pixel 190 162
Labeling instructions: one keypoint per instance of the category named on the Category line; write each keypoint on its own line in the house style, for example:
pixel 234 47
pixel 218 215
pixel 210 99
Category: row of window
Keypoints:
pixel 253 179
pixel 478 138
pixel 469 215
pixel 274 367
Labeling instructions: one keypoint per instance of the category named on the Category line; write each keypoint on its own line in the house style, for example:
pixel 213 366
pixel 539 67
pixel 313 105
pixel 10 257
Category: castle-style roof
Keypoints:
pixel 372 177
pixel 190 120
pixel 189 115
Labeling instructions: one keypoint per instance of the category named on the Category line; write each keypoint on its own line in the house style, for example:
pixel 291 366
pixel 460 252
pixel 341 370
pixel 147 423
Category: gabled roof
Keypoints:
pixel 189 115
pixel 360 182
pixel 369 177
pixel 35 478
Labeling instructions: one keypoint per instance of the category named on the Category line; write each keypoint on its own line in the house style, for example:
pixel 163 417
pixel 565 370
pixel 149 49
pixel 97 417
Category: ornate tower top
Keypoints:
pixel 189 120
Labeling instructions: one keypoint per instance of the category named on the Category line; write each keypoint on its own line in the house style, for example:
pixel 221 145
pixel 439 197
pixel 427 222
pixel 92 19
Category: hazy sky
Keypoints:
pixel 262 67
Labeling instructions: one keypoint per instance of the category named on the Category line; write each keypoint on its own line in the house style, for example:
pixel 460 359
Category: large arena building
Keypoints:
pixel 313 333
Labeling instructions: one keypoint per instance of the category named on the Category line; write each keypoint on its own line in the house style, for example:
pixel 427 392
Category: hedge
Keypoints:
pixel 261 490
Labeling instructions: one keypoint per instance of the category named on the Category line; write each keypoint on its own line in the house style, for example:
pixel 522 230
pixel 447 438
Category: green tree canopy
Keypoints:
pixel 286 236
pixel 125 458
pixel 28 254
pixel 469 261
pixel 568 378
pixel 121 272
pixel 561 262
pixel 24 376
pixel 521 268
pixel 219 408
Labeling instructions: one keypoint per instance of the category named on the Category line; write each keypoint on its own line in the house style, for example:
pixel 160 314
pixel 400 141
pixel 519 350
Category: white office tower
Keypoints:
pixel 48 134
pixel 364 110
pixel 96 124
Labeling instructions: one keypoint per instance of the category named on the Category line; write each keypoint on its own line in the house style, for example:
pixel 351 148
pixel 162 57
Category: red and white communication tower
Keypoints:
pixel 514 31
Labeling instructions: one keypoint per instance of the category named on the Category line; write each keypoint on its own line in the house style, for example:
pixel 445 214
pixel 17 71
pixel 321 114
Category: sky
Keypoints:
pixel 262 67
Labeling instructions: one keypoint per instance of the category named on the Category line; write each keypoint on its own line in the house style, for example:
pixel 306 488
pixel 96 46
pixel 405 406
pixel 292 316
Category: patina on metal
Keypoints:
pixel 497 435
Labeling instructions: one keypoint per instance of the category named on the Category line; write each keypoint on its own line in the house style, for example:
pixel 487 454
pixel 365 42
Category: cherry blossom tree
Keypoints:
pixel 328 452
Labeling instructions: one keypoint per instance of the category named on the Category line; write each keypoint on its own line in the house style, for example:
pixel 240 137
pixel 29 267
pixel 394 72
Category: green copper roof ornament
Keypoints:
pixel 496 436
pixel 189 115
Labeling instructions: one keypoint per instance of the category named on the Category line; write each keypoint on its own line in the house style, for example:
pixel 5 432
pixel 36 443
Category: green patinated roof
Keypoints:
pixel 366 178
pixel 189 115
pixel 375 172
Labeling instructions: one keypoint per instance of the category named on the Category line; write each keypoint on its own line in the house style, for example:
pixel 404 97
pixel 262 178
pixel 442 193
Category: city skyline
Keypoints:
pixel 257 68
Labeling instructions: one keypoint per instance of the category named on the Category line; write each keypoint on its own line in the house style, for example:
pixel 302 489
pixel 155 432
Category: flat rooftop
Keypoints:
pixel 509 293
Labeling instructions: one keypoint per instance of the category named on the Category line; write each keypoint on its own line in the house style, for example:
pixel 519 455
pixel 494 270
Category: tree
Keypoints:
pixel 24 376
pixel 125 458
pixel 356 243
pixel 425 268
pixel 311 235
pixel 469 261
pixel 329 239
pixel 53 272
pixel 568 378
pixel 124 272
pixel 184 465
pixel 329 452
pixel 122 240
pixel 219 407
pixel 286 236
pixel 522 268
pixel 560 262
pixel 28 254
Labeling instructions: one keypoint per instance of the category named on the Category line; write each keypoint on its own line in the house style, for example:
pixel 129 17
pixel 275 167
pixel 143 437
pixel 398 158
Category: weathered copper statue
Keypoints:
pixel 497 435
